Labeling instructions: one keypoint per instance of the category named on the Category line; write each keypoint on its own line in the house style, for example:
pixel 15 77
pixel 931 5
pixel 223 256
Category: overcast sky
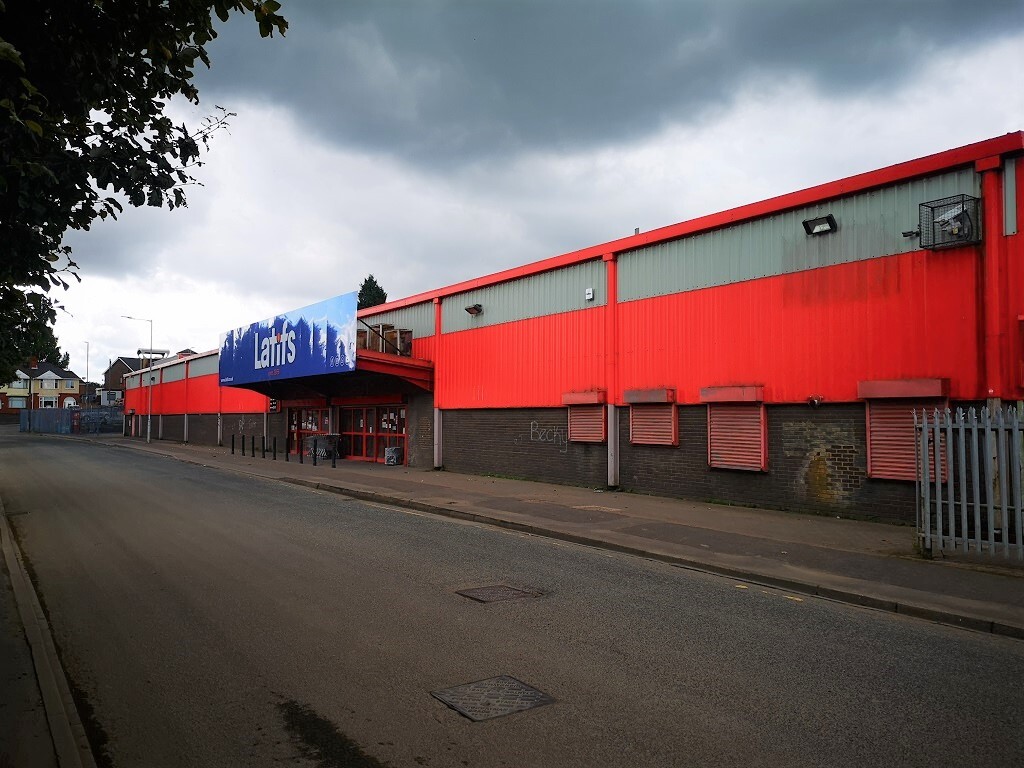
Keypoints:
pixel 429 142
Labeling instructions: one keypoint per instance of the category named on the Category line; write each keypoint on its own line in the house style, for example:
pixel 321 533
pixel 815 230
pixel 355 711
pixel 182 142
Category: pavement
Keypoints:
pixel 870 564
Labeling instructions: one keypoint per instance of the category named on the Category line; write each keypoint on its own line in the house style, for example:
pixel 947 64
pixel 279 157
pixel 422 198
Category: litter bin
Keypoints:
pixel 393 456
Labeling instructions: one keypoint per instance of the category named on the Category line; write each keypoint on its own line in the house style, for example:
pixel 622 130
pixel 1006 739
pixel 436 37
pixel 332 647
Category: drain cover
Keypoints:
pixel 494 697
pixel 495 593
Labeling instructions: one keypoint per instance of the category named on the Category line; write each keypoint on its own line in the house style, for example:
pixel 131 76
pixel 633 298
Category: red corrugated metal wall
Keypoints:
pixel 135 399
pixel 423 348
pixel 817 332
pixel 172 398
pixel 1015 299
pixel 205 395
pixel 527 363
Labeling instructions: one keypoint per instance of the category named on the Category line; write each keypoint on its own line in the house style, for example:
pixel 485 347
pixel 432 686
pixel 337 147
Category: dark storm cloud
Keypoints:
pixel 450 82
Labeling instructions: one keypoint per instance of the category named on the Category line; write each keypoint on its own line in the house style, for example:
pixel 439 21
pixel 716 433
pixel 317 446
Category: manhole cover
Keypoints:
pixel 495 593
pixel 494 697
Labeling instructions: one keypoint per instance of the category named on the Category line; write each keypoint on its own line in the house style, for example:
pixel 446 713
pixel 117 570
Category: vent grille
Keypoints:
pixel 950 222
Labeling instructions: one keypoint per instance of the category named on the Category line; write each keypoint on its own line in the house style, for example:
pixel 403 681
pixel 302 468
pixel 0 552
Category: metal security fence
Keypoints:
pixel 107 419
pixel 53 421
pixel 969 481
pixel 65 421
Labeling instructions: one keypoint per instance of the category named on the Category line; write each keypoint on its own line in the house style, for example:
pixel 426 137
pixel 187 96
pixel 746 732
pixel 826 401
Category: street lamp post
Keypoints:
pixel 149 408
pixel 86 391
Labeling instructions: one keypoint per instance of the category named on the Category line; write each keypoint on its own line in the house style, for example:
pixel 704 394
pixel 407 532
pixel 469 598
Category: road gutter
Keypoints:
pixel 70 743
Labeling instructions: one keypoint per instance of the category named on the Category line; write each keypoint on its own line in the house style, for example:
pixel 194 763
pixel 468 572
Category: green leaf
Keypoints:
pixel 9 53
pixel 35 127
pixel 271 6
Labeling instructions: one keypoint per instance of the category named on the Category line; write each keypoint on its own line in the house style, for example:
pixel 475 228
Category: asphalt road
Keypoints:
pixel 211 619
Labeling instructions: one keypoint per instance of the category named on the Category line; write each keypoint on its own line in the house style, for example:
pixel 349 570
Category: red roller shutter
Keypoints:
pixel 891 438
pixel 653 424
pixel 737 436
pixel 586 423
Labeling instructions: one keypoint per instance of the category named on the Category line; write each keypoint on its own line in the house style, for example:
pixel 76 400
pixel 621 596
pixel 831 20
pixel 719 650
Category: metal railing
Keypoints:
pixel 969 481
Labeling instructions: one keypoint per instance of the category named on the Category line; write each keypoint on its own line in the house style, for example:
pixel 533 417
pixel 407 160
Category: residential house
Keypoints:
pixel 112 392
pixel 40 384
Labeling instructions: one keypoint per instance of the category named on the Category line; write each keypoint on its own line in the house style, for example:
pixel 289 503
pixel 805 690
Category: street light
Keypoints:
pixel 86 396
pixel 149 409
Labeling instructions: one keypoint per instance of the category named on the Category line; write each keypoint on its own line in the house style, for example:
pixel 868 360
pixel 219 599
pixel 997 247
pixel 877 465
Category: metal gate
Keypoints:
pixel 969 481
pixel 66 421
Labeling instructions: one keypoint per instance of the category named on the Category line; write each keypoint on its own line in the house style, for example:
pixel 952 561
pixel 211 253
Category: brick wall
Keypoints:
pixel 202 428
pixel 171 427
pixel 817 462
pixel 529 443
pixel 419 417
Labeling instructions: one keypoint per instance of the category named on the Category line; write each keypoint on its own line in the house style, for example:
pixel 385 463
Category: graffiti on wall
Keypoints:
pixel 557 436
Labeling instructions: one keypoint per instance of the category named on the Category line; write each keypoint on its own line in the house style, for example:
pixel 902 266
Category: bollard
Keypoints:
pixel 287 445
pixel 263 447
pixel 334 458
pixel 302 449
pixel 275 448
pixel 314 451
pixel 232 444
pixel 252 447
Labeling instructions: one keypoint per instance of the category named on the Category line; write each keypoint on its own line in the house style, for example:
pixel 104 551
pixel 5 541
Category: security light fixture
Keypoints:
pixel 822 225
pixel 474 309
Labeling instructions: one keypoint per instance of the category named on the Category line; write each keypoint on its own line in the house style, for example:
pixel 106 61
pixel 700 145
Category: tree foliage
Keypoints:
pixel 84 87
pixel 370 293
pixel 33 336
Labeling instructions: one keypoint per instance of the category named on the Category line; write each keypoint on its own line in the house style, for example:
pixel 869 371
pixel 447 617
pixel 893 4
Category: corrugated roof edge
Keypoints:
pixel 923 166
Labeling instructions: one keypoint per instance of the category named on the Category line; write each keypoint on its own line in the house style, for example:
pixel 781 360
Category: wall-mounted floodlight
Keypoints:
pixel 822 225
pixel 474 309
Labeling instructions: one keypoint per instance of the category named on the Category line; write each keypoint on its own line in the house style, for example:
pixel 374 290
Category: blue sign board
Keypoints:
pixel 310 341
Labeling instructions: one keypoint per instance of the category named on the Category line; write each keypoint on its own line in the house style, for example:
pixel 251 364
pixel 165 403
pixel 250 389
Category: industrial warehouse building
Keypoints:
pixel 770 355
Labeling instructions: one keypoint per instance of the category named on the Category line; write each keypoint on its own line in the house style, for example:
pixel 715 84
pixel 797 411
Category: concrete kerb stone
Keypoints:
pixel 70 743
pixel 1007 630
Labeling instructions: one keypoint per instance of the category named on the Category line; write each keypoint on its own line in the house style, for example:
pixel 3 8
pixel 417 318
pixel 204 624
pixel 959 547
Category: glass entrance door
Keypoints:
pixel 357 433
pixel 367 432
pixel 390 430
pixel 307 422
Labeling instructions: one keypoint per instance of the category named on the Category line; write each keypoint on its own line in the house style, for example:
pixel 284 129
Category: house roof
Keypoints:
pixel 43 367
pixel 132 363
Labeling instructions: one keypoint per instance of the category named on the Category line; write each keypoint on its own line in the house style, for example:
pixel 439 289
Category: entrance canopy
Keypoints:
pixel 375 373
